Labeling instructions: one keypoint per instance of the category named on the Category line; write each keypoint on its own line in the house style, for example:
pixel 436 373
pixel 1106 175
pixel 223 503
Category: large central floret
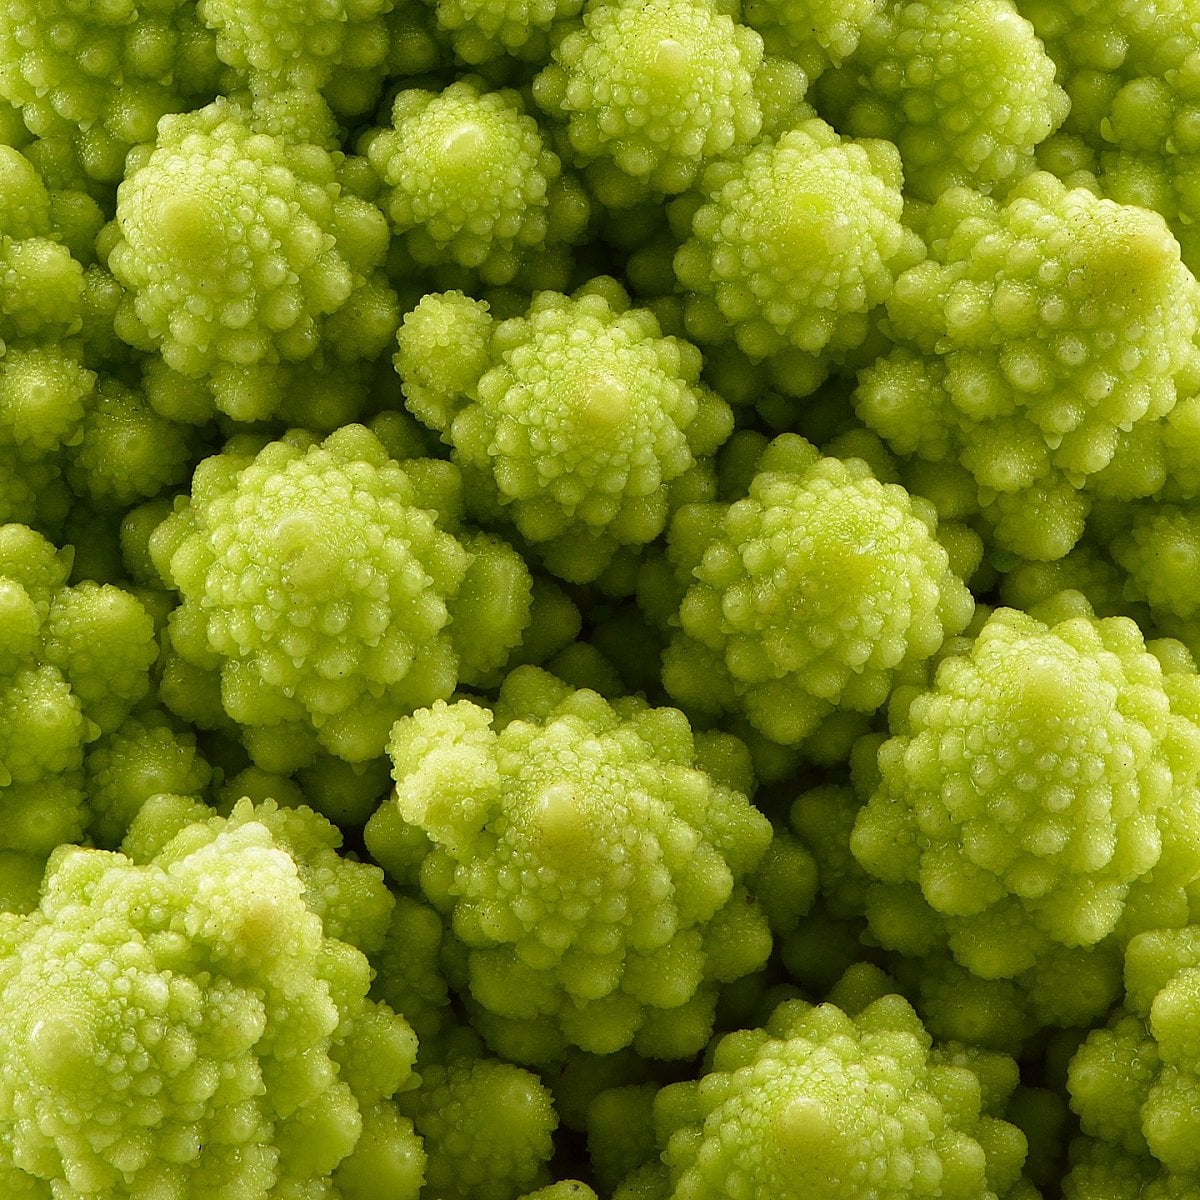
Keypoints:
pixel 592 869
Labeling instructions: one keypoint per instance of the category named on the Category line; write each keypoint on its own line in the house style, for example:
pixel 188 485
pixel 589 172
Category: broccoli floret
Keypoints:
pixel 651 90
pixel 156 1006
pixel 1035 335
pixel 145 755
pixel 783 616
pixel 303 45
pixel 816 34
pixel 242 253
pixel 578 422
pixel 1053 770
pixel 328 588
pixel 964 88
pixel 795 246
pixel 575 934
pixel 103 74
pixel 1133 1083
pixel 470 180
pixel 821 1103
pixel 486 1126
pixel 74 660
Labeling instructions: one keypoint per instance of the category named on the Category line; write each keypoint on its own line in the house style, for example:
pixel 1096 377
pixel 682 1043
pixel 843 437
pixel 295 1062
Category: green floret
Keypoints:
pixel 1134 1083
pixel 654 89
pixel 103 74
pixel 1158 548
pixel 242 251
pixel 486 1126
pixel 1130 70
pixel 127 452
pixel 145 755
pixel 332 589
pixel 822 1105
pixel 575 933
pixel 579 422
pixel 965 90
pixel 808 596
pixel 1036 807
pixel 73 662
pixel 1102 1172
pixel 1036 335
pixel 484 30
pixel 797 243
pixel 816 34
pixel 301 44
pixel 155 1007
pixel 469 179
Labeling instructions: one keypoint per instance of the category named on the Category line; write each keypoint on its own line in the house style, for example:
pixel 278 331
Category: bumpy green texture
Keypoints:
pixel 964 88
pixel 484 30
pixel 154 1008
pixel 816 34
pixel 590 866
pixel 808 595
pixel 241 253
pixel 470 180
pixel 654 89
pixel 104 73
pixel 822 1105
pixel 145 755
pixel 300 44
pixel 1158 549
pixel 1035 335
pixel 798 242
pixel 1037 806
pixel 1130 70
pixel 327 586
pixel 1134 1082
pixel 486 1127
pixel 73 661
pixel 579 422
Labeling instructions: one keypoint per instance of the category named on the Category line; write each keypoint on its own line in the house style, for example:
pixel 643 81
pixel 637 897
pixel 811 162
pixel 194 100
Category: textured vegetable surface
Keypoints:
pixel 599 600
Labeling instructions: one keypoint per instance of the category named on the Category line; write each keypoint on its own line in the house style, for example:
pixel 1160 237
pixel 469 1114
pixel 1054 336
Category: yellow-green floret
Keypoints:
pixel 281 44
pixel 1036 335
pixel 808 595
pixel 104 73
pixel 964 88
pixel 797 243
pixel 1159 551
pixel 155 1007
pixel 1131 72
pixel 1134 1083
pixel 580 422
pixel 486 1126
pixel 330 589
pixel 74 660
pixel 816 34
pixel 822 1105
pixel 483 30
pixel 470 180
pixel 590 866
pixel 240 250
pixel 653 88
pixel 1036 806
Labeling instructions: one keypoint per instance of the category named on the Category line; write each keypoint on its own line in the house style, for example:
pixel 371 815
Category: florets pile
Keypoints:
pixel 599 600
